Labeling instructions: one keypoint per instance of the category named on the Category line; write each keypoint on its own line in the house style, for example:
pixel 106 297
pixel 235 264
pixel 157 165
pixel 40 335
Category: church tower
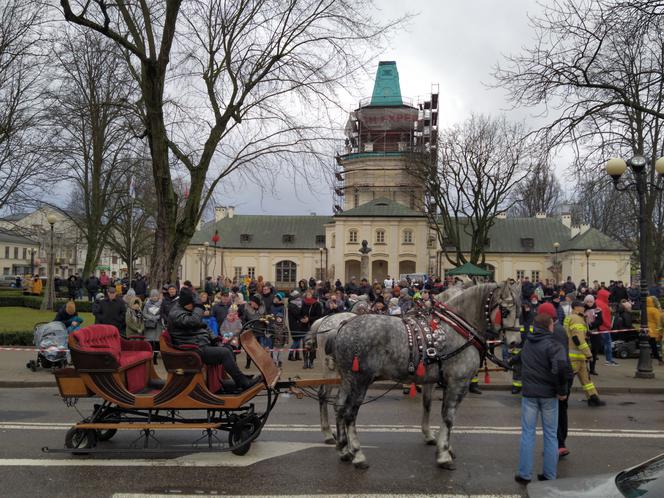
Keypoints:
pixel 383 136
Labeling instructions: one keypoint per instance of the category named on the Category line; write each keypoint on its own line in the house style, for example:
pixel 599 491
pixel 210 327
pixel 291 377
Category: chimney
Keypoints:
pixel 502 216
pixel 576 230
pixel 566 219
pixel 219 213
pixel 231 211
pixel 540 215
pixel 583 228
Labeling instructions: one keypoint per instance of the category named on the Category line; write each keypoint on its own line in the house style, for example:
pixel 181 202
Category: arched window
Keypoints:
pixel 380 236
pixel 407 236
pixel 352 236
pixel 285 273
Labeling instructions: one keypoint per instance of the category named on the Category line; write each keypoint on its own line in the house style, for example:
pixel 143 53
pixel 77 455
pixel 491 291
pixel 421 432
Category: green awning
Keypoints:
pixel 103 268
pixel 469 269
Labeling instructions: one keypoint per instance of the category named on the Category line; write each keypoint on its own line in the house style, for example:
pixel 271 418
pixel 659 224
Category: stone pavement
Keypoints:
pixel 617 379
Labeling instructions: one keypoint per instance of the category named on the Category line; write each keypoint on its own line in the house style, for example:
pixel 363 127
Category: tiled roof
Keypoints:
pixel 8 237
pixel 14 217
pixel 264 232
pixel 381 208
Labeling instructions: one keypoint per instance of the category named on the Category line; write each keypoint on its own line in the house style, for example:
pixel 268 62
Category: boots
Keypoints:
pixel 307 360
pixel 474 388
pixel 594 401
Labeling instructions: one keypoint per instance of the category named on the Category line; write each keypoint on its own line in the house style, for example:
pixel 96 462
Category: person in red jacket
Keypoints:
pixel 603 304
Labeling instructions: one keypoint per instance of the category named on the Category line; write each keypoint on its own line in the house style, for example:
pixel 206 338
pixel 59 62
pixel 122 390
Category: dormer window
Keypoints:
pixel 528 243
pixel 245 237
pixel 320 240
pixel 288 238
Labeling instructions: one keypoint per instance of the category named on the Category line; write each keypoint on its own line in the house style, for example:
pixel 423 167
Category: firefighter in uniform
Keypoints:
pixel 579 351
pixel 514 359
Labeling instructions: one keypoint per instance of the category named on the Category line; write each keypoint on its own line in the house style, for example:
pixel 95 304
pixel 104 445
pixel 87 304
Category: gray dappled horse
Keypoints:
pixel 379 344
pixel 322 334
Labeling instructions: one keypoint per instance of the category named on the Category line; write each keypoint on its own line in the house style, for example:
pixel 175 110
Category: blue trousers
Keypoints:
pixel 531 408
pixel 608 347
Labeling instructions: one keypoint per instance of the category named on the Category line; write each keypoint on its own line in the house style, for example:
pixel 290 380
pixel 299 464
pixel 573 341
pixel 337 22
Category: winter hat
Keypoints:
pixel 280 296
pixel 70 307
pixel 295 294
pixel 255 299
pixel 394 302
pixel 186 297
pixel 99 296
pixel 577 304
pixel 548 309
pixel 589 300
pixel 404 292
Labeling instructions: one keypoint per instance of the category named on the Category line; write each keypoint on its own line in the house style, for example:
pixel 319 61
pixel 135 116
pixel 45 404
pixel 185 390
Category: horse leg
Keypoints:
pixel 359 460
pixel 323 399
pixel 341 408
pixel 427 395
pixel 454 393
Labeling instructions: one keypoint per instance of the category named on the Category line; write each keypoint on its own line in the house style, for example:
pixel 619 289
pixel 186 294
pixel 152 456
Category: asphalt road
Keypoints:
pixel 290 459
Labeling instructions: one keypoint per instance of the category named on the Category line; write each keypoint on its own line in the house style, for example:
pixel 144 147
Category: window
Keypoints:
pixel 352 236
pixel 320 274
pixel 407 236
pixel 16 253
pixel 431 243
pixel 380 236
pixel 288 238
pixel 535 276
pixel 25 253
pixel 251 272
pixel 6 252
pixel 5 270
pixel 237 273
pixel 285 273
pixel 320 240
pixel 245 237
pixel 115 260
pixel 520 274
pixel 334 240
pixel 528 243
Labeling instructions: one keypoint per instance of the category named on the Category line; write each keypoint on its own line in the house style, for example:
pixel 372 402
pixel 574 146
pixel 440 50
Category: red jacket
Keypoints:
pixel 603 304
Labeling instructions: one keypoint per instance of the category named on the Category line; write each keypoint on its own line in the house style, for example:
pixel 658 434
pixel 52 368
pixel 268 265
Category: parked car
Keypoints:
pixel 643 480
pixel 7 281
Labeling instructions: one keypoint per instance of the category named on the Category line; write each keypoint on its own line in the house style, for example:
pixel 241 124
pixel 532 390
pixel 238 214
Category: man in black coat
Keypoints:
pixel 186 326
pixel 112 311
pixel 220 310
pixel 140 286
pixel 92 285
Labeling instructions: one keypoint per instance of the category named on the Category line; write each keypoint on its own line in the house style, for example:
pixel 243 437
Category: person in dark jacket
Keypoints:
pixel 72 287
pixel 623 320
pixel 220 310
pixel 560 335
pixel 186 326
pixel 267 296
pixel 168 302
pixel 140 285
pixel 594 320
pixel 112 310
pixel 618 293
pixel 92 285
pixel 297 329
pixel 311 311
pixel 545 380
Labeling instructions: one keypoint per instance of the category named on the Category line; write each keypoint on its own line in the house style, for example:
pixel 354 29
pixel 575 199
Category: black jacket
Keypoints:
pixel 188 327
pixel 92 284
pixel 219 312
pixel 112 312
pixel 544 366
pixel 140 286
pixel 167 304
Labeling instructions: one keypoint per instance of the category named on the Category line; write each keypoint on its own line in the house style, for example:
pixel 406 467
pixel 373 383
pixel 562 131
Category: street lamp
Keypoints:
pixel 49 296
pixel 207 245
pixel 556 246
pixel 588 252
pixel 616 167
pixel 320 250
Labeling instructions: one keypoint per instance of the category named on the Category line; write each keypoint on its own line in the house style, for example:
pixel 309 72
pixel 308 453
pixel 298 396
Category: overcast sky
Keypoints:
pixel 452 43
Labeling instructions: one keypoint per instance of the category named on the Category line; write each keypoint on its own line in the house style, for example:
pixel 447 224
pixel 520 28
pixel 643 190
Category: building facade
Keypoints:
pixel 380 200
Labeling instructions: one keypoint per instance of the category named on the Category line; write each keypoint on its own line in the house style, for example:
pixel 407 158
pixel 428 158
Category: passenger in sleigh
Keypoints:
pixel 186 326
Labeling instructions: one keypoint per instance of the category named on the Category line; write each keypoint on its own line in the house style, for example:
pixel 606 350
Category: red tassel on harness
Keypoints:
pixel 499 317
pixel 487 378
pixel 356 365
pixel 413 390
pixel 420 369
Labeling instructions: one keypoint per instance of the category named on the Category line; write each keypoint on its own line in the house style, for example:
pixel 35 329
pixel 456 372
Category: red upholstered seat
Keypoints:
pixel 133 357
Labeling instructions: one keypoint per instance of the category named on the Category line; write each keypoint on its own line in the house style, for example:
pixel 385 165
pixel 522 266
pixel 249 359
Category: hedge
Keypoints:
pixel 22 338
pixel 35 302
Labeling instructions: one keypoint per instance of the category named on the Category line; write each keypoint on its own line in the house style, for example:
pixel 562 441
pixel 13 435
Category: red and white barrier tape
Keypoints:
pixel 597 332
pixel 18 349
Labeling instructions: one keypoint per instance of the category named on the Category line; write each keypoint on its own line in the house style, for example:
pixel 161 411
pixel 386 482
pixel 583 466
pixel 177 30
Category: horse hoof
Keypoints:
pixel 447 465
pixel 346 457
pixel 330 440
pixel 430 442
pixel 363 465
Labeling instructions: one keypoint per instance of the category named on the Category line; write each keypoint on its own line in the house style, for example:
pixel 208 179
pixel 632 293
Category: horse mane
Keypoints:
pixel 469 303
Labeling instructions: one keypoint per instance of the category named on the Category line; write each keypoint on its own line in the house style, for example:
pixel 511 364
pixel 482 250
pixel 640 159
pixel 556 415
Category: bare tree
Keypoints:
pixel 480 162
pixel 539 192
pixel 603 85
pixel 92 121
pixel 226 84
pixel 20 102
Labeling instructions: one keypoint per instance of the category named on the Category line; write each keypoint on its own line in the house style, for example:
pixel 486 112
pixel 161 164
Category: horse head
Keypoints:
pixel 503 308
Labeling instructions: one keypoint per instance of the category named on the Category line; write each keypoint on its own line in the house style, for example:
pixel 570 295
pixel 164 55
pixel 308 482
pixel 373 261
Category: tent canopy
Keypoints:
pixel 469 269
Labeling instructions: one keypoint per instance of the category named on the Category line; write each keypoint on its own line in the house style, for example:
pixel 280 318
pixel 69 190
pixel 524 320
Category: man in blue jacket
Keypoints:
pixel 544 377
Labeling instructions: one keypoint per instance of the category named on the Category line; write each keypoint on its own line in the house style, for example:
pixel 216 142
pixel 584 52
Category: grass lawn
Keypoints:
pixel 15 319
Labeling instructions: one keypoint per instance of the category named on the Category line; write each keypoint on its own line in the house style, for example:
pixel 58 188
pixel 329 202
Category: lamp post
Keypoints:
pixel 215 241
pixel 200 266
pixel 49 295
pixel 556 246
pixel 320 250
pixel 207 245
pixel 588 252
pixel 616 167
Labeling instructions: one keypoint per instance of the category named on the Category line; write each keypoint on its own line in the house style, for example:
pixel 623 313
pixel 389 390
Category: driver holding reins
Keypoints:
pixel 186 326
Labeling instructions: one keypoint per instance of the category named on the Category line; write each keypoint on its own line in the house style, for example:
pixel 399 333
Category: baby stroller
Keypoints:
pixel 52 349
